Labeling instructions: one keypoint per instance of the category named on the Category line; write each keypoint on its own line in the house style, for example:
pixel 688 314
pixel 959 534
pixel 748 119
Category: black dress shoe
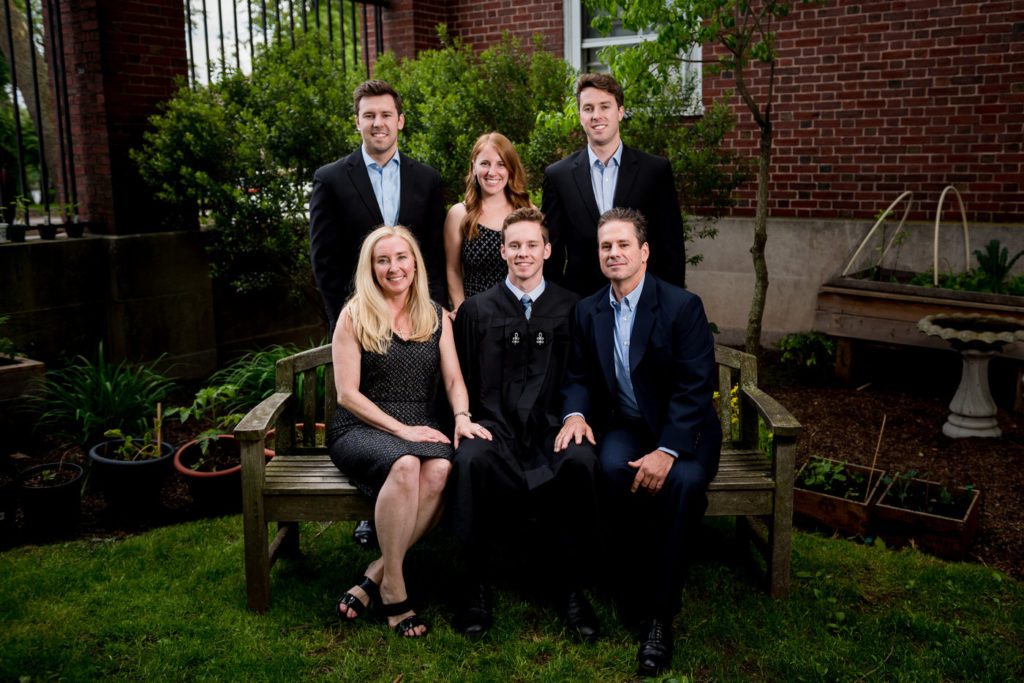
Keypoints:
pixel 474 618
pixel 655 654
pixel 580 617
pixel 366 535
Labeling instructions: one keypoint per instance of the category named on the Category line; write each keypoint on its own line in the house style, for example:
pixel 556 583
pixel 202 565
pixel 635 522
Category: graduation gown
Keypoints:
pixel 513 368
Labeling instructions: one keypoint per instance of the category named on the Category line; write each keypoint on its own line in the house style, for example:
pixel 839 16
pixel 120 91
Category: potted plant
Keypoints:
pixel 212 462
pixel 130 471
pixel 837 495
pixel 51 499
pixel 941 521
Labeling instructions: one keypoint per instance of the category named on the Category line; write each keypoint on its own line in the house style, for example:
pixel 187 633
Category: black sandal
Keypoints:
pixel 350 601
pixel 407 624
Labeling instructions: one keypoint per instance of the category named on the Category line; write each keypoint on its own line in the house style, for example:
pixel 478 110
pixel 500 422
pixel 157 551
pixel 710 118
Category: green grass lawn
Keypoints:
pixel 170 605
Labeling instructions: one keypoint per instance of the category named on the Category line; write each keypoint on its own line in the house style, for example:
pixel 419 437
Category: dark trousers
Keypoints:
pixel 487 500
pixel 651 534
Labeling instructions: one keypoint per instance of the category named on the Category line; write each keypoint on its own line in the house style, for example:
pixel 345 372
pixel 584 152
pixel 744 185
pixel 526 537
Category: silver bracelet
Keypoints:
pixel 464 412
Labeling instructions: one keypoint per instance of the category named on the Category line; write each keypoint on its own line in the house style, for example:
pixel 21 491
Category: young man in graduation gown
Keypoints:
pixel 513 341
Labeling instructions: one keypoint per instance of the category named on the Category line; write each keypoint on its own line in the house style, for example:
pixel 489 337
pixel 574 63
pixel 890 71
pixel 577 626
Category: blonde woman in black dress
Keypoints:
pixel 389 346
pixel 495 187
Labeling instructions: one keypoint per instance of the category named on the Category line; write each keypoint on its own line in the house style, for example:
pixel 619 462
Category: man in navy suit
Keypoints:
pixel 642 367
pixel 606 174
pixel 373 186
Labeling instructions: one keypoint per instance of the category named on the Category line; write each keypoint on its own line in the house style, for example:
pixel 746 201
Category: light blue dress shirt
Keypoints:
pixel 386 183
pixel 534 294
pixel 625 314
pixel 604 178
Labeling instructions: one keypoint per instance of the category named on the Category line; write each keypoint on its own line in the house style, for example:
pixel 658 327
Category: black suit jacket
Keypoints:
pixel 645 184
pixel 343 209
pixel 672 367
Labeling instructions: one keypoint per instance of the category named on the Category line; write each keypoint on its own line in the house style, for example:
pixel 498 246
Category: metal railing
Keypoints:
pixel 224 35
pixel 37 169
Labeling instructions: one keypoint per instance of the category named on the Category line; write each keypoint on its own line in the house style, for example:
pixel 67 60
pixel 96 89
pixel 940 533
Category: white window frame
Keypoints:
pixel 575 46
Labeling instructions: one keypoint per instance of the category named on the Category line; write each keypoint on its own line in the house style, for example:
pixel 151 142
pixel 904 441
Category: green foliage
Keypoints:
pixel 991 274
pixel 251 378
pixel 243 150
pixel 812 350
pixel 911 491
pixel 832 478
pixel 994 265
pixel 130 448
pixel 7 348
pixel 87 398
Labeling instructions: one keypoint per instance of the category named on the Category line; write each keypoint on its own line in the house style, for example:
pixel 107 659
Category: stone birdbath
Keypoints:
pixel 977 337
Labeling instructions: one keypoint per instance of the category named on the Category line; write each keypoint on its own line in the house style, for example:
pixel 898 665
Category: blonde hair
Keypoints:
pixel 367 308
pixel 515 188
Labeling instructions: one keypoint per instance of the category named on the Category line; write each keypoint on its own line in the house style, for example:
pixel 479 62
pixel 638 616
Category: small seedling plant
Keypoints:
pixel 910 492
pixel 833 478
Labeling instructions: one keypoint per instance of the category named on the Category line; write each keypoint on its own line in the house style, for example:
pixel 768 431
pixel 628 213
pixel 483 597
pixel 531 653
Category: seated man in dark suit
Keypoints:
pixel 642 368
pixel 513 341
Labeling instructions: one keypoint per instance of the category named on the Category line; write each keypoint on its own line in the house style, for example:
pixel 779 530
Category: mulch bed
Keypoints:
pixel 911 388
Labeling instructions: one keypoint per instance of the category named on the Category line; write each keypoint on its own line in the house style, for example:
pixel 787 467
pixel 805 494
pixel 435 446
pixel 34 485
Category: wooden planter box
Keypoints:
pixel 20 377
pixel 945 537
pixel 850 517
pixel 882 311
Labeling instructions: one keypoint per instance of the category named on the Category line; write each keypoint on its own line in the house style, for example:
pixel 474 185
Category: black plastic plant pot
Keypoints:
pixel 130 486
pixel 16 233
pixel 74 229
pixel 51 499
pixel 48 232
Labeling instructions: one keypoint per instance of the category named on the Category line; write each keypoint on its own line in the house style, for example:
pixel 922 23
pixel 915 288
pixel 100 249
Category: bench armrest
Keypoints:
pixel 775 416
pixel 256 423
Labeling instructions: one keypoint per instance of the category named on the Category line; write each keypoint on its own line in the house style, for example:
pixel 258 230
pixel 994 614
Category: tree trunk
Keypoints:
pixel 27 88
pixel 753 341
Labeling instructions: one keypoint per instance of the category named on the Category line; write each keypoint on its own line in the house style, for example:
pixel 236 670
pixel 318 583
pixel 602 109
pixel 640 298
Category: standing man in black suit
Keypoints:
pixel 642 369
pixel 373 186
pixel 513 341
pixel 606 174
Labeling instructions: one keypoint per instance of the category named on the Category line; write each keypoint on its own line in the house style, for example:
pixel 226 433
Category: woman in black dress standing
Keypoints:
pixel 495 187
pixel 389 346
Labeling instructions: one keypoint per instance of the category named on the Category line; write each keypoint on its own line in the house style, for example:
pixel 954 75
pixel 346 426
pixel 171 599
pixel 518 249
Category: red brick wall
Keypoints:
pixel 878 97
pixel 122 59
pixel 410 25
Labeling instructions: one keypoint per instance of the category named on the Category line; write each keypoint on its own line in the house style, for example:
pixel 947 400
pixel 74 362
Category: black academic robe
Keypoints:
pixel 513 368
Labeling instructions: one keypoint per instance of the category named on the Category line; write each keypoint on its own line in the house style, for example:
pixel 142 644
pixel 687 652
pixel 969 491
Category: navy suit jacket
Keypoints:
pixel 570 208
pixel 343 209
pixel 672 366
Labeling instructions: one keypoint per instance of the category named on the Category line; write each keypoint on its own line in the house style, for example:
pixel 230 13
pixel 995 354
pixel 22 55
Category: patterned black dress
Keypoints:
pixel 482 265
pixel 402 383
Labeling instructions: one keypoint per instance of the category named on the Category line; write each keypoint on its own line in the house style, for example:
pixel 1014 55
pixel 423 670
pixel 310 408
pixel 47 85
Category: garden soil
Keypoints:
pixel 911 389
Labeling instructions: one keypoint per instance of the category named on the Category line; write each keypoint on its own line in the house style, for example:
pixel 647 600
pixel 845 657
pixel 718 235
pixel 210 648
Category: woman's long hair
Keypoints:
pixel 367 308
pixel 515 189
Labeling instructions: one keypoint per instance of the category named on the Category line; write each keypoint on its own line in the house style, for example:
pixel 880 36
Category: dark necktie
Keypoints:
pixel 527 304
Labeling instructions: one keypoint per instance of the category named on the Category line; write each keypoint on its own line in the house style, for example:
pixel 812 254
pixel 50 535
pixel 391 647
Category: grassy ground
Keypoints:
pixel 170 605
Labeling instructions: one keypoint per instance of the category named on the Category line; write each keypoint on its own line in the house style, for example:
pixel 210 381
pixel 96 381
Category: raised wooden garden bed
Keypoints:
pixel 847 512
pixel 945 529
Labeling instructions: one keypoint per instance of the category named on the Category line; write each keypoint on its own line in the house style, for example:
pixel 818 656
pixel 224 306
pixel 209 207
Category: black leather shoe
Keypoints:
pixel 655 654
pixel 366 535
pixel 580 617
pixel 474 619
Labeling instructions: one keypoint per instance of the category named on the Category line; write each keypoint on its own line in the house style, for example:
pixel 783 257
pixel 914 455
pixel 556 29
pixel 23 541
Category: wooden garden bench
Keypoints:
pixel 302 484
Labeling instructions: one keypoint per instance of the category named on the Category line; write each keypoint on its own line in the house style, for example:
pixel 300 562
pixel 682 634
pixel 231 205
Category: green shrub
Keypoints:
pixel 252 378
pixel 88 398
pixel 808 350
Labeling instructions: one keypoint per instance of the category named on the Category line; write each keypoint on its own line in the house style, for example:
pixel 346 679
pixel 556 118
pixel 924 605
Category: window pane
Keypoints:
pixel 590 32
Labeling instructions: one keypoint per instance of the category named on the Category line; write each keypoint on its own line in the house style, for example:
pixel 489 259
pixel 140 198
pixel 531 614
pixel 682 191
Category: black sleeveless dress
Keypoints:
pixel 402 383
pixel 482 265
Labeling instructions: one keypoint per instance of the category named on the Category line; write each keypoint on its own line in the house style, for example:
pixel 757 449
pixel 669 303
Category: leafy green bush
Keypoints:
pixel 88 398
pixel 251 377
pixel 992 274
pixel 809 350
pixel 242 151
pixel 7 348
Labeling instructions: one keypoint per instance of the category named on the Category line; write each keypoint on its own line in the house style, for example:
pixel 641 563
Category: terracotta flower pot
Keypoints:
pixel 214 479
